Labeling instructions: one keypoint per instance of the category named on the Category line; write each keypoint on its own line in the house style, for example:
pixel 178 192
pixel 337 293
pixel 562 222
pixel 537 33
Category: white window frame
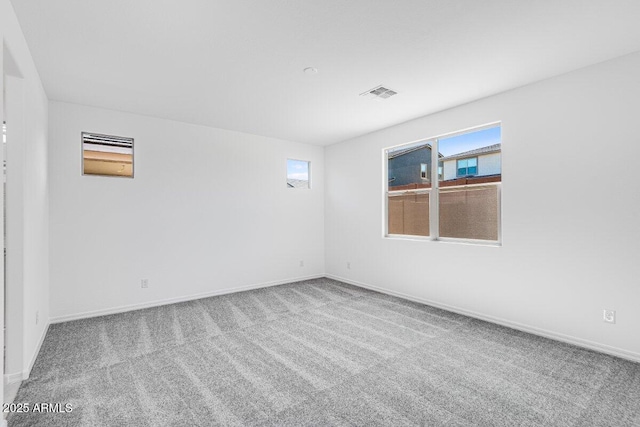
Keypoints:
pixel 433 192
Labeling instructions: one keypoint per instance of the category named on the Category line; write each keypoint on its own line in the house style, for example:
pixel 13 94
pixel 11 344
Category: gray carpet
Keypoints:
pixel 320 353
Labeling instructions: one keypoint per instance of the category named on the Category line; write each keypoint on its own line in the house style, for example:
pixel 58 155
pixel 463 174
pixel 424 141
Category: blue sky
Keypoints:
pixel 469 141
pixel 297 169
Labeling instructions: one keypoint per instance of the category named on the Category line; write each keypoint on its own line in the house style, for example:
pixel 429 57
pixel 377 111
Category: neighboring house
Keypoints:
pixel 297 183
pixel 483 161
pixel 413 165
pixel 410 165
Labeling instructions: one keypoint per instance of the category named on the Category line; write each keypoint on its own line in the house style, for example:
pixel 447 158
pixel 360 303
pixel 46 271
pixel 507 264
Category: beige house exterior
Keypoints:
pixel 489 162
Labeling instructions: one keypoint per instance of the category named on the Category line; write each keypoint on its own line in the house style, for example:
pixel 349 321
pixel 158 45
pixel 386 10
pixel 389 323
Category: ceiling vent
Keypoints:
pixel 379 92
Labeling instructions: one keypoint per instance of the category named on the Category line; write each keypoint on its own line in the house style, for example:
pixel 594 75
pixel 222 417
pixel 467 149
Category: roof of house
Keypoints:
pixel 297 183
pixel 482 150
pixel 402 151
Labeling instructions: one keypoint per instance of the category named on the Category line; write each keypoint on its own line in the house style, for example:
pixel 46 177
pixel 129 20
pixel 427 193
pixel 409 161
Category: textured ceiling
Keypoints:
pixel 238 64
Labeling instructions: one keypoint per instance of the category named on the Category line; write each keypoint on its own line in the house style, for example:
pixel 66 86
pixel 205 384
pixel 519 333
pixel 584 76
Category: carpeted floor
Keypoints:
pixel 319 353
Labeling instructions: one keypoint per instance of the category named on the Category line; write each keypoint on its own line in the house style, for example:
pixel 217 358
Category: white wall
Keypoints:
pixel 449 170
pixel 207 211
pixel 489 164
pixel 15 313
pixel 3 9
pixel 27 190
pixel 571 237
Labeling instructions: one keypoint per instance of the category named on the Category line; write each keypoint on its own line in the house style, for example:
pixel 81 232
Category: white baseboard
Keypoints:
pixel 34 356
pixel 156 303
pixel 15 377
pixel 603 348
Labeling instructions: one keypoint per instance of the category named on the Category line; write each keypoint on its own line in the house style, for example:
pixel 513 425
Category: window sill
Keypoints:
pixel 470 242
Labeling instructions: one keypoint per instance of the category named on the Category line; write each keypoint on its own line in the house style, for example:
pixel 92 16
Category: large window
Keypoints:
pixel 461 201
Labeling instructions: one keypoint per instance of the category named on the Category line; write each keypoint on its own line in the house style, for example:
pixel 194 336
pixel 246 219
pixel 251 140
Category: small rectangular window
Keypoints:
pixel 107 155
pixel 423 171
pixel 468 166
pixel 298 173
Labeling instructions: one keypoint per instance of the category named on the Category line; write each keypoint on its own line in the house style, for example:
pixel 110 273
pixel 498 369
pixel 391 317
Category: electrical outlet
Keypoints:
pixel 348 265
pixel 37 317
pixel 301 263
pixel 144 283
pixel 609 316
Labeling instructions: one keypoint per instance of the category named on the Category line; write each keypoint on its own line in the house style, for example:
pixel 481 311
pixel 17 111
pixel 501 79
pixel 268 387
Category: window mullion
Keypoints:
pixel 434 228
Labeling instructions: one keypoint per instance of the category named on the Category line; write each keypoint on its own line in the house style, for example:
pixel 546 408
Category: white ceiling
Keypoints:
pixel 237 64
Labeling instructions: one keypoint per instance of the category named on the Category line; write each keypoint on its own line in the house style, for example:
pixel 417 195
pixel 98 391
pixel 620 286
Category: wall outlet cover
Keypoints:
pixel 609 316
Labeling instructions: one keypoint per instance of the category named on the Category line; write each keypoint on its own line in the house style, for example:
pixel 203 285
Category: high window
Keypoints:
pixel 298 173
pixel 461 200
pixel 107 155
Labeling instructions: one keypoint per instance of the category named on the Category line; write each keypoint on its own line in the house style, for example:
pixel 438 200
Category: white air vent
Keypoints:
pixel 379 92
